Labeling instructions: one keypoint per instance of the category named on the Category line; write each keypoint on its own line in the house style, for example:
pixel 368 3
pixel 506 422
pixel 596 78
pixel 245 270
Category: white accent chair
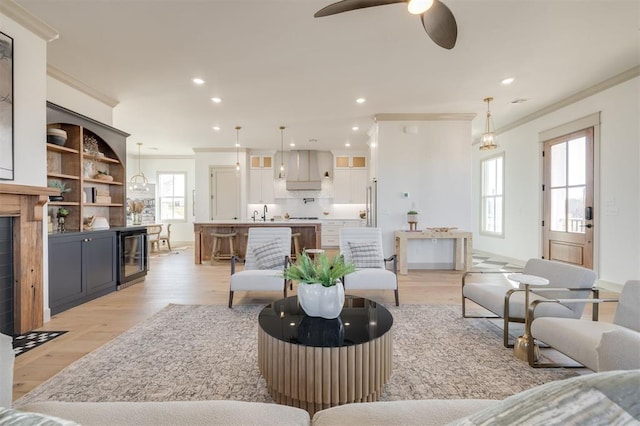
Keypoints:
pixel 254 276
pixel 599 346
pixel 507 301
pixel 369 278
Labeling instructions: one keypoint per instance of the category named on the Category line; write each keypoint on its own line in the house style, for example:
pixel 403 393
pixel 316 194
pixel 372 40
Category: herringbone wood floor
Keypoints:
pixel 174 278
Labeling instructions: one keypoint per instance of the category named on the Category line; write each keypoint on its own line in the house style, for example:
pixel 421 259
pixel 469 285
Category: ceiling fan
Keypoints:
pixel 437 19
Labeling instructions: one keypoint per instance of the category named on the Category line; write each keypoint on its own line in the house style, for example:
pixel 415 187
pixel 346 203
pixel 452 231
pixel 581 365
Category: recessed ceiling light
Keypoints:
pixel 198 80
pixel 361 100
pixel 237 144
pixel 347 144
pixel 216 128
pixel 292 144
pixel 355 128
pixel 508 81
pixel 216 100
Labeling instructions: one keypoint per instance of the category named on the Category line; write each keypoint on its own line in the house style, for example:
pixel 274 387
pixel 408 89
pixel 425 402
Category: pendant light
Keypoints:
pixel 238 148
pixel 488 140
pixel 139 182
pixel 418 7
pixel 281 174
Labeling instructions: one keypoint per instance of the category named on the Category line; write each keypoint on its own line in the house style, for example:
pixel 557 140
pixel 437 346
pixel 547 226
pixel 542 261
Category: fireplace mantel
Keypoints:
pixel 25 204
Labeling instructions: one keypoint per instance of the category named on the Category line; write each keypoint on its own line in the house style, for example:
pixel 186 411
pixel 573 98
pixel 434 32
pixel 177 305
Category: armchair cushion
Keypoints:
pixel 619 350
pixel 370 279
pixel 366 255
pixel 269 255
pixel 257 279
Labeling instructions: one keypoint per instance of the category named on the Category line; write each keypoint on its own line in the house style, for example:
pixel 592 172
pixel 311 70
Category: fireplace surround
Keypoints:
pixel 25 205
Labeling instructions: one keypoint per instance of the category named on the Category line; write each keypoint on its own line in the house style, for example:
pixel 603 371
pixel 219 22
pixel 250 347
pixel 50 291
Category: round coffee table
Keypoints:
pixel 313 363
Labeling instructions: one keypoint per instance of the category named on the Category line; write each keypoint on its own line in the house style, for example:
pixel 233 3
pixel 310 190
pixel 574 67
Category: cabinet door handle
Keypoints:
pixel 86 240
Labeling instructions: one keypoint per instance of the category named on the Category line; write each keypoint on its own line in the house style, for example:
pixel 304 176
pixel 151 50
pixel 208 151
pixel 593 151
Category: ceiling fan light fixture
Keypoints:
pixel 488 139
pixel 418 7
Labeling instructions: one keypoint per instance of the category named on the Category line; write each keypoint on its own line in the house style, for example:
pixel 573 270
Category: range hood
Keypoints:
pixel 303 173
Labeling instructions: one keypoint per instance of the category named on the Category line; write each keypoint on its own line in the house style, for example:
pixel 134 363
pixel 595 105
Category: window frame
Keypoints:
pixel 483 197
pixel 173 219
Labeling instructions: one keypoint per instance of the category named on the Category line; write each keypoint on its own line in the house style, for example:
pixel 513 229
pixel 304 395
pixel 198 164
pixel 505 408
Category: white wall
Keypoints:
pixel 434 167
pixel 151 166
pixel 617 234
pixel 204 160
pixel 75 100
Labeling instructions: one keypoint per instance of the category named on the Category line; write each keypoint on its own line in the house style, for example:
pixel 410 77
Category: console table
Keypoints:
pixel 463 246
pixel 316 363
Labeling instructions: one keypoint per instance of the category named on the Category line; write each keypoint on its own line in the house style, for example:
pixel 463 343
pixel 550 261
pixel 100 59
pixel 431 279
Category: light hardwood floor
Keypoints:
pixel 174 278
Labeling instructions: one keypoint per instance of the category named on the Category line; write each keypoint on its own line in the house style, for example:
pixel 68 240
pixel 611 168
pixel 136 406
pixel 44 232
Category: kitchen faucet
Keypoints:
pixel 264 213
pixel 254 215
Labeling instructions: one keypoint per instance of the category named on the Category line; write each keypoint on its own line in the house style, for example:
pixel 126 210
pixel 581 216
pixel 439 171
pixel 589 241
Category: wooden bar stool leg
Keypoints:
pixel 296 245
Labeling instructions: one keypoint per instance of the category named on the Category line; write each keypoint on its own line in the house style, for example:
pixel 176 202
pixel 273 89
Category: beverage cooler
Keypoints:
pixel 133 256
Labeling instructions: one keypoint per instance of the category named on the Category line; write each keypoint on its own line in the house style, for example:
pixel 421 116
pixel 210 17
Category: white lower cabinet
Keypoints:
pixel 331 231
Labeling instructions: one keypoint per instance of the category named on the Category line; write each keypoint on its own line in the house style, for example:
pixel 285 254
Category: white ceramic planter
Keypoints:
pixel 319 301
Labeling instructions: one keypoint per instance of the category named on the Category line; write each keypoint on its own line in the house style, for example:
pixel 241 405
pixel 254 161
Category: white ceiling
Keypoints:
pixel 274 64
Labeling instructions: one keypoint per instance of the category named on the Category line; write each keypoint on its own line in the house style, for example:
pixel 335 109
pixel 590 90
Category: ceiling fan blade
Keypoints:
pixel 347 5
pixel 440 24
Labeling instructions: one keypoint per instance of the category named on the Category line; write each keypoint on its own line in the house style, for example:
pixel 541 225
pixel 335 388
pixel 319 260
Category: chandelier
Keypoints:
pixel 488 140
pixel 139 182
pixel 281 174
pixel 238 148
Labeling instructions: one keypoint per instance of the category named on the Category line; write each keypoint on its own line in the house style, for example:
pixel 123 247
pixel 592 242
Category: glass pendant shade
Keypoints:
pixel 238 148
pixel 139 182
pixel 488 139
pixel 281 174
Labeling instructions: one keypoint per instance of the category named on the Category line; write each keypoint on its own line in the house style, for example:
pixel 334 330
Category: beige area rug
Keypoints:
pixel 200 352
pixel 164 251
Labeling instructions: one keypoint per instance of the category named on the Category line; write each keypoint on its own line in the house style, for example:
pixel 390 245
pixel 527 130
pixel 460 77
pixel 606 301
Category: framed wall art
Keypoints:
pixel 6 107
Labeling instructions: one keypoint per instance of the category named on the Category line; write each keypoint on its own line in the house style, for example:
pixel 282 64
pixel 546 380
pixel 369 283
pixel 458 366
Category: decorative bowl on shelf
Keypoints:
pixel 56 136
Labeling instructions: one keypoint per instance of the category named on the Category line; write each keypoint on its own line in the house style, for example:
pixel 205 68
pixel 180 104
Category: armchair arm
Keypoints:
pixel 535 303
pixel 235 259
pixel 393 258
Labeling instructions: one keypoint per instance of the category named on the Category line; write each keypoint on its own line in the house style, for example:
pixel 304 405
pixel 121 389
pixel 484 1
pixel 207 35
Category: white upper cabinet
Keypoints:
pixel 350 177
pixel 261 179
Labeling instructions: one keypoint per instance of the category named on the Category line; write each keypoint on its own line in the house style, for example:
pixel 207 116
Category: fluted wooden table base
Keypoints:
pixel 317 378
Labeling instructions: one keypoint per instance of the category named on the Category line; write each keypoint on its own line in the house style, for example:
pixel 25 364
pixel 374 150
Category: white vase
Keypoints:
pixel 319 301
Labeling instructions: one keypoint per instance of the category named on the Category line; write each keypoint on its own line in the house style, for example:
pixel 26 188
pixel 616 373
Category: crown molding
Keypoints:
pixel 424 117
pixel 65 78
pixel 22 16
pixel 196 150
pixel 578 96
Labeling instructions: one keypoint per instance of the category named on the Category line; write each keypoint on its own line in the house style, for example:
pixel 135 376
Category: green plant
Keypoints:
pixel 104 172
pixel 60 186
pixel 62 212
pixel 319 270
pixel 412 212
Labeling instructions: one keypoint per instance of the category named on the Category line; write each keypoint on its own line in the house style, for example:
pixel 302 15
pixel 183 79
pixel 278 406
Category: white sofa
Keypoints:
pixel 608 395
pixel 597 345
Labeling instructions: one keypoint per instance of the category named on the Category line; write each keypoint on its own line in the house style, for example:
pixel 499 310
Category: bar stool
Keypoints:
pixel 296 245
pixel 216 246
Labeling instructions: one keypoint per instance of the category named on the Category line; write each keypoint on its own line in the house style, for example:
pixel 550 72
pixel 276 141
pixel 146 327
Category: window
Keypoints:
pixel 492 196
pixel 172 190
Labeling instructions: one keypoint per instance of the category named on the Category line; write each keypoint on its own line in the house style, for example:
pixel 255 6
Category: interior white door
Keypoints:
pixel 225 193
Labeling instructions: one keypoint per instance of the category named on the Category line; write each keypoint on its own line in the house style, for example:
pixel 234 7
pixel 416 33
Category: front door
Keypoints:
pixel 225 193
pixel 568 198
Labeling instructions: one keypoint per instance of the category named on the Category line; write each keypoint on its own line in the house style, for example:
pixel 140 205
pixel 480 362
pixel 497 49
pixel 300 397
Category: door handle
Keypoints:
pixel 588 225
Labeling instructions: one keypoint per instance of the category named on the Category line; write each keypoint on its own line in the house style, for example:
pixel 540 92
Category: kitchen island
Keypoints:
pixel 309 230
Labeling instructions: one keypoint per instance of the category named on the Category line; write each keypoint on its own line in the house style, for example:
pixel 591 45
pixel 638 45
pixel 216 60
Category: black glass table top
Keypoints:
pixel 360 321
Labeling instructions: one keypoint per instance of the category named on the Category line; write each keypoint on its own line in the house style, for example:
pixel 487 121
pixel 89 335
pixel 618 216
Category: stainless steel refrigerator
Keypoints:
pixel 372 203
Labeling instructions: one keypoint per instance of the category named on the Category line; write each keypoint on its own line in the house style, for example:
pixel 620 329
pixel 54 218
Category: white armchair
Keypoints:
pixel 597 345
pixel 508 301
pixel 363 247
pixel 266 257
pixel 6 370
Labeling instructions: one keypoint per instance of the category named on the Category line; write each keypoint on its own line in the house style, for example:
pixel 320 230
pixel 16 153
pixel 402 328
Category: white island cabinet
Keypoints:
pixel 331 230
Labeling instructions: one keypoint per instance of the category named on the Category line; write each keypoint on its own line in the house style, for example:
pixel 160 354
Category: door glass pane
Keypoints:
pixel 558 222
pixel 577 161
pixel 559 165
pixel 576 207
